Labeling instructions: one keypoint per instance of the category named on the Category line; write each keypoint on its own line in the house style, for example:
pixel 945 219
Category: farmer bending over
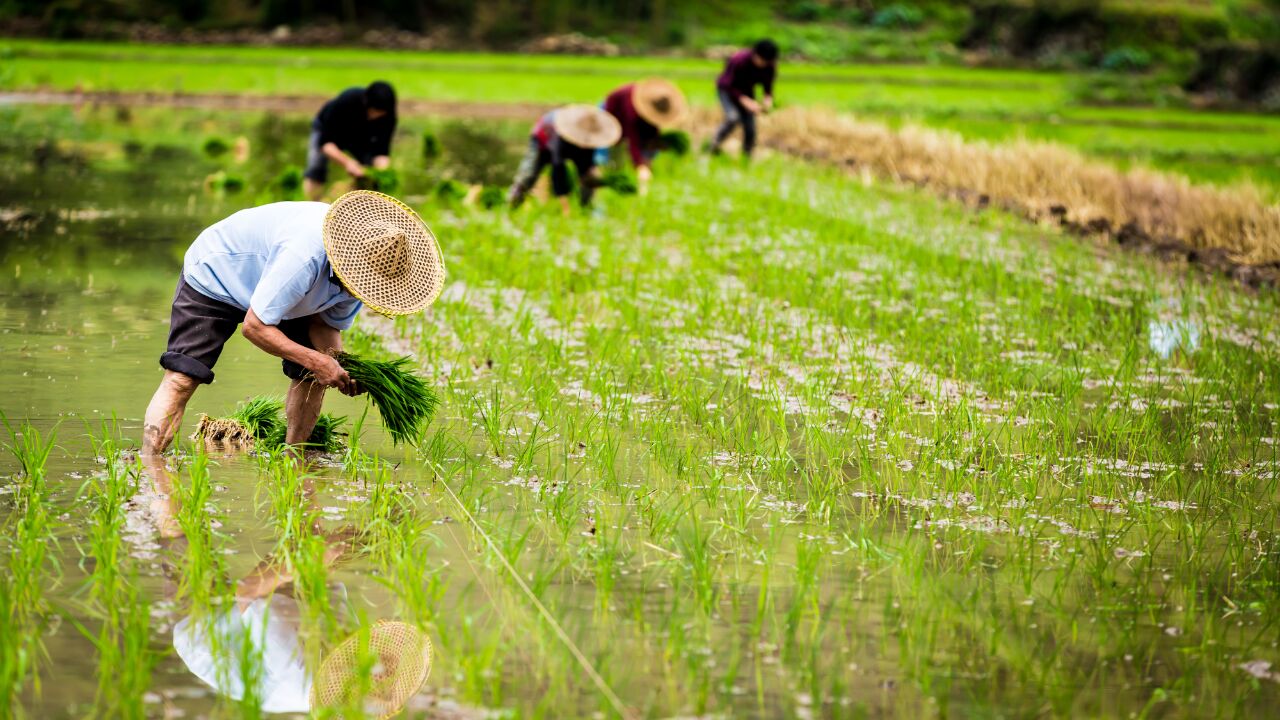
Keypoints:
pixel 571 134
pixel 736 87
pixel 644 109
pixel 295 274
pixel 353 130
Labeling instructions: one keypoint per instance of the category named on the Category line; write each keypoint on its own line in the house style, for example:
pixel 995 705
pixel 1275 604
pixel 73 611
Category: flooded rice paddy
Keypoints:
pixel 770 442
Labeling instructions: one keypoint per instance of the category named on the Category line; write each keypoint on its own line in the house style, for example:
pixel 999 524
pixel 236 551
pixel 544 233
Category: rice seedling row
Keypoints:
pixel 802 446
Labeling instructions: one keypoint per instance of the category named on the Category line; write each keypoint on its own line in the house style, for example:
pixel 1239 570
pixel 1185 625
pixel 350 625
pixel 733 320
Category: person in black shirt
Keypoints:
pixel 353 130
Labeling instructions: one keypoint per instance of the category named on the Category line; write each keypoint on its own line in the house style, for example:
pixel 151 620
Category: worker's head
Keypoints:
pixel 379 99
pixel 764 53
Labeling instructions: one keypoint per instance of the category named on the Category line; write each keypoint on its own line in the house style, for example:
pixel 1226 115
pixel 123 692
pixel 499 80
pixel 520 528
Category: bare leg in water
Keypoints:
pixel 162 501
pixel 301 408
pixel 164 414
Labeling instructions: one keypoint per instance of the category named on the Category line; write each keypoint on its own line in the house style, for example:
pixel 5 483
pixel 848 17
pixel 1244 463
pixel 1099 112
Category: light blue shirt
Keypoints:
pixel 271 258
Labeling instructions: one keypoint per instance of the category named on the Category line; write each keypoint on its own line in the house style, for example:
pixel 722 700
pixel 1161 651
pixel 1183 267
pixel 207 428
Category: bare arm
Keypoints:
pixel 334 153
pixel 382 162
pixel 326 370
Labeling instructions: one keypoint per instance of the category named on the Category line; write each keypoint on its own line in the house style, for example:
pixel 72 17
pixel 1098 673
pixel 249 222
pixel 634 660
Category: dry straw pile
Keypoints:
pixel 1040 180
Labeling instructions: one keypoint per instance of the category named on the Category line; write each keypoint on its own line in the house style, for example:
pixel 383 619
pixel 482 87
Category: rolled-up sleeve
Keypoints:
pixel 284 284
pixel 342 315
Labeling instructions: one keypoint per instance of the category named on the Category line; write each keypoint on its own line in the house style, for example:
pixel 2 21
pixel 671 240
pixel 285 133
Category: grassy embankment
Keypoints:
pixel 979 103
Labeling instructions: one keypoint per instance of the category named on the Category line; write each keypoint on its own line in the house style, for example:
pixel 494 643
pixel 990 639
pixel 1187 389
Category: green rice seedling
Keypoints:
pixel 430 147
pixel 26 577
pixel 224 183
pixel 326 436
pixel 255 420
pixel 622 182
pixel 492 197
pixel 364 343
pixel 677 141
pixel 450 192
pixel 288 184
pixel 404 401
pixel 215 147
pixel 125 658
pixel 203 580
pixel 289 491
pixel 260 416
pixel 385 180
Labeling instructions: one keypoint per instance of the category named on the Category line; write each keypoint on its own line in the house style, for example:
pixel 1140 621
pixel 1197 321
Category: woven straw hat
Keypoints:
pixel 383 252
pixel 659 102
pixel 403 655
pixel 587 126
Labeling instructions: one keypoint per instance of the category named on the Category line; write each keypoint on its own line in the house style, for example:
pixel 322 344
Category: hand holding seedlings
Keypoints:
pixel 329 373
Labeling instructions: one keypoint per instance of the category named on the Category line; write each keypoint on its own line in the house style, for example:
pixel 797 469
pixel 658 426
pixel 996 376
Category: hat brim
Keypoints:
pixel 659 102
pixel 408 646
pixel 587 126
pixel 357 218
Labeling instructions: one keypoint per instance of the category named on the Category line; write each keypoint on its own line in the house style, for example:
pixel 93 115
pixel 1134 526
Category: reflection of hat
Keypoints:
pixel 659 102
pixel 402 655
pixel 586 126
pixel 383 252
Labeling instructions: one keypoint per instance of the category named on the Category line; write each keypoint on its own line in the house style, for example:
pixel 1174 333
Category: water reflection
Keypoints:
pixel 253 647
pixel 1164 337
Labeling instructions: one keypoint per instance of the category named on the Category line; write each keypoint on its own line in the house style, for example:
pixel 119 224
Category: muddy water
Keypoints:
pixel 89 256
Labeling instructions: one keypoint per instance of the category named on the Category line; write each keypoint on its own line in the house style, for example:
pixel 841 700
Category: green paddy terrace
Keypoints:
pixel 979 103
pixel 769 442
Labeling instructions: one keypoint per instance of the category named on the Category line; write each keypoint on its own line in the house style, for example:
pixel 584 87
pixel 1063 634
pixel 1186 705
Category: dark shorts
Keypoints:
pixel 199 326
pixel 317 161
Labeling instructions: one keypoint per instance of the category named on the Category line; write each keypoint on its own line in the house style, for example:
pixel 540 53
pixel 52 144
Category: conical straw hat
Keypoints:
pixel 587 126
pixel 383 252
pixel 403 661
pixel 659 102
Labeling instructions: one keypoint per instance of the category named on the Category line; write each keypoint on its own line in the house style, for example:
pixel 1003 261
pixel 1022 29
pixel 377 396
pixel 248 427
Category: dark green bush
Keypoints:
pixel 215 147
pixel 898 15
pixel 492 197
pixel 430 147
pixel 1126 59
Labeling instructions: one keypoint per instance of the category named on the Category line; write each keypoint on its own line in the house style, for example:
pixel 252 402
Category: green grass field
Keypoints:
pixel 978 103
pixel 768 442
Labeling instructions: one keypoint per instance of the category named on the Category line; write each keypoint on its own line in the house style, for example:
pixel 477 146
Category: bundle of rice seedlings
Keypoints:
pixel 259 423
pixel 325 437
pixel 261 416
pixel 222 431
pixel 621 182
pixel 254 420
pixel 492 197
pixel 215 147
pixel 385 180
pixel 450 191
pixel 405 402
pixel 677 141
pixel 430 147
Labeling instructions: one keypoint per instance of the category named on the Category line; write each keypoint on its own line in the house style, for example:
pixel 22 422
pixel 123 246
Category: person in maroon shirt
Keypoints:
pixel 644 110
pixel 737 89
